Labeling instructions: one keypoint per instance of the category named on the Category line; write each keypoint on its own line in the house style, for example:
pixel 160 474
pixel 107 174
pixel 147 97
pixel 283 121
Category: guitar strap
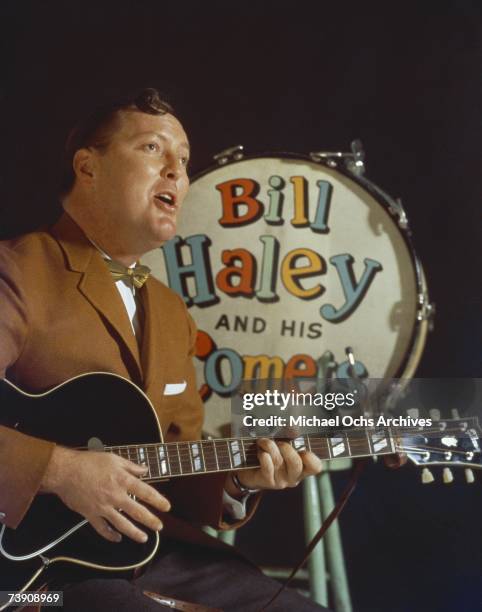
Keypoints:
pixel 178 604
pixel 334 514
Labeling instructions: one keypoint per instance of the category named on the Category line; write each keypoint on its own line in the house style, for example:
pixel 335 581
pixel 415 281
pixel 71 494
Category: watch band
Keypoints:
pixel 240 486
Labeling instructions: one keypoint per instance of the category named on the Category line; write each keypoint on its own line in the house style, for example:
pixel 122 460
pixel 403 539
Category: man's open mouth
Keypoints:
pixel 167 198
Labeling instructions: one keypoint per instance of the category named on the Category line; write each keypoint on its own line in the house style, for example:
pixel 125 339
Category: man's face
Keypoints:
pixel 140 180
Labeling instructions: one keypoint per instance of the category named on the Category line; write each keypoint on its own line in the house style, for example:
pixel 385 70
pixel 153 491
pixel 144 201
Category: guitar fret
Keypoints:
pixel 224 458
pixel 359 443
pixel 190 457
pixel 156 458
pixel 202 456
pixel 391 439
pixel 320 447
pixel 251 453
pixel 209 455
pixel 185 461
pixel 215 454
pixel 172 452
pixel 347 441
pixel 116 450
pixel 151 463
pixel 133 455
pixel 244 452
pixel 226 442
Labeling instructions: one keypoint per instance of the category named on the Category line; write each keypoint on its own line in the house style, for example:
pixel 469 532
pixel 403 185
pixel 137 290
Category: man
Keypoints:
pixel 64 314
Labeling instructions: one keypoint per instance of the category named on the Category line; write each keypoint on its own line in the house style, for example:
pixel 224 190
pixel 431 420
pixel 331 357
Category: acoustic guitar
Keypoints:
pixel 106 412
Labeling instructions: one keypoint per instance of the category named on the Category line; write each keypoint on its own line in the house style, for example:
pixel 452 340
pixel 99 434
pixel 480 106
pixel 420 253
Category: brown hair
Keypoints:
pixel 95 129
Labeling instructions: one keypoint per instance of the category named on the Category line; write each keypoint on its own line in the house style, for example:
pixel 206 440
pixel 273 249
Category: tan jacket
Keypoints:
pixel 61 315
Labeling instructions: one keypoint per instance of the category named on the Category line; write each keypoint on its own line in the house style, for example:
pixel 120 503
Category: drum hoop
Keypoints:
pixel 420 328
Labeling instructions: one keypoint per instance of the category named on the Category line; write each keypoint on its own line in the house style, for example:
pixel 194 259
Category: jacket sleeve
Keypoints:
pixel 23 459
pixel 199 499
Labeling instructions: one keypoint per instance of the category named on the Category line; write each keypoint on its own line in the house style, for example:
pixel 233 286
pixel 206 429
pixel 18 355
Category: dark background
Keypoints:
pixel 297 76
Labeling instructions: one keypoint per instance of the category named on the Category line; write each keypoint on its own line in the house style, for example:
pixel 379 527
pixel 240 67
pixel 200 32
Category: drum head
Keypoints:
pixel 280 260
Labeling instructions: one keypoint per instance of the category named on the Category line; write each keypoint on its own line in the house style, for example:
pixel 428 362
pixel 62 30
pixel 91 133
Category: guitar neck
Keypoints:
pixel 225 454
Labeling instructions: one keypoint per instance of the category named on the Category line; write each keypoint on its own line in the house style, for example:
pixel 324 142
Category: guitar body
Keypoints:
pixel 87 411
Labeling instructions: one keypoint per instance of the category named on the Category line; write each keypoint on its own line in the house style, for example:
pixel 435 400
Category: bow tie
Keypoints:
pixel 138 274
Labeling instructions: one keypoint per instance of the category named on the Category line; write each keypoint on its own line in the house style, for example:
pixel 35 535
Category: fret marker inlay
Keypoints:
pixel 338 446
pixel 299 444
pixel 235 453
pixel 162 460
pixel 198 465
pixel 379 441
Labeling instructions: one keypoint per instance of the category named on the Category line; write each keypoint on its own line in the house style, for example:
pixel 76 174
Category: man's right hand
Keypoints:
pixel 99 486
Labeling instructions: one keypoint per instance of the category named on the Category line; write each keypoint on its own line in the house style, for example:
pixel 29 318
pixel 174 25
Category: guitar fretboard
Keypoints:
pixel 225 454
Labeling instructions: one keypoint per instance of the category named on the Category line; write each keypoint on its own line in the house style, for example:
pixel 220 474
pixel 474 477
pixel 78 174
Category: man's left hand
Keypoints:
pixel 280 467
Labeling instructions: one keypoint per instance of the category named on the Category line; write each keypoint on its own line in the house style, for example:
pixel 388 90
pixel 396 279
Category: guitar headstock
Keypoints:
pixel 451 443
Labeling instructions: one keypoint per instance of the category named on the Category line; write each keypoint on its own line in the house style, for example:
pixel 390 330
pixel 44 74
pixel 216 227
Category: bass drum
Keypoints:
pixel 284 261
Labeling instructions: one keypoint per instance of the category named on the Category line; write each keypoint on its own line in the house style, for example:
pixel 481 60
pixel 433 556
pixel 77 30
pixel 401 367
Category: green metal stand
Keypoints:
pixel 316 561
pixel 334 549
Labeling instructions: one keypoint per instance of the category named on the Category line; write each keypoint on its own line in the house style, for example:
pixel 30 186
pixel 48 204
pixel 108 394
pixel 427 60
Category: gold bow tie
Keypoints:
pixel 138 274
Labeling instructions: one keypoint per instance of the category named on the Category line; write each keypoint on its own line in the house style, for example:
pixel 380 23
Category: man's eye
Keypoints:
pixel 184 161
pixel 151 147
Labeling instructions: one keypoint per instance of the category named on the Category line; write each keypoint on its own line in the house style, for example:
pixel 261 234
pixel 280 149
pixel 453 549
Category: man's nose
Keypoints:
pixel 171 169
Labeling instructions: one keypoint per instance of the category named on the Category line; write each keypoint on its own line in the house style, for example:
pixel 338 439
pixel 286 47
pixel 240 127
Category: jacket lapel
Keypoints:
pixel 153 351
pixel 96 283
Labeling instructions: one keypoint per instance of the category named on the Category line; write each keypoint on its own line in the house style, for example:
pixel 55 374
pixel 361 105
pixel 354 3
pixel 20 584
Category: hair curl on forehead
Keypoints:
pixel 95 129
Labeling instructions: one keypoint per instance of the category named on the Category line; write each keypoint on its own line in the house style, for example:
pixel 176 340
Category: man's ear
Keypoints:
pixel 84 165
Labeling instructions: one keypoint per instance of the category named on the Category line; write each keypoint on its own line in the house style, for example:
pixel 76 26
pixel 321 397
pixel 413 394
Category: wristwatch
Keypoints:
pixel 240 486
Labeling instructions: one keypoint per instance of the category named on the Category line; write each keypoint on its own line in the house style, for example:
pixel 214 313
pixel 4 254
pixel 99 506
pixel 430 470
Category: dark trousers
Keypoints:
pixel 216 578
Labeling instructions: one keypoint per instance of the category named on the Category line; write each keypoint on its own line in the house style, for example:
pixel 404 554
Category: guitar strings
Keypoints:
pixel 251 459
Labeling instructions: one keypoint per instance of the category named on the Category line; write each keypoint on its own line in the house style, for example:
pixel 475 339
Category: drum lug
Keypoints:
pixel 426 311
pixel 228 155
pixel 396 209
pixel 331 158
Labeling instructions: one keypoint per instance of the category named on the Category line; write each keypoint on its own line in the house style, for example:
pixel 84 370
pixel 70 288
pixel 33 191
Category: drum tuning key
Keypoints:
pixel 354 161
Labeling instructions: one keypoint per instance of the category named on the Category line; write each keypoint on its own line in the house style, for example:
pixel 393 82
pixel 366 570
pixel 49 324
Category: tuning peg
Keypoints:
pixel 469 476
pixel 455 413
pixel 413 413
pixel 435 414
pixel 427 476
pixel 447 476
